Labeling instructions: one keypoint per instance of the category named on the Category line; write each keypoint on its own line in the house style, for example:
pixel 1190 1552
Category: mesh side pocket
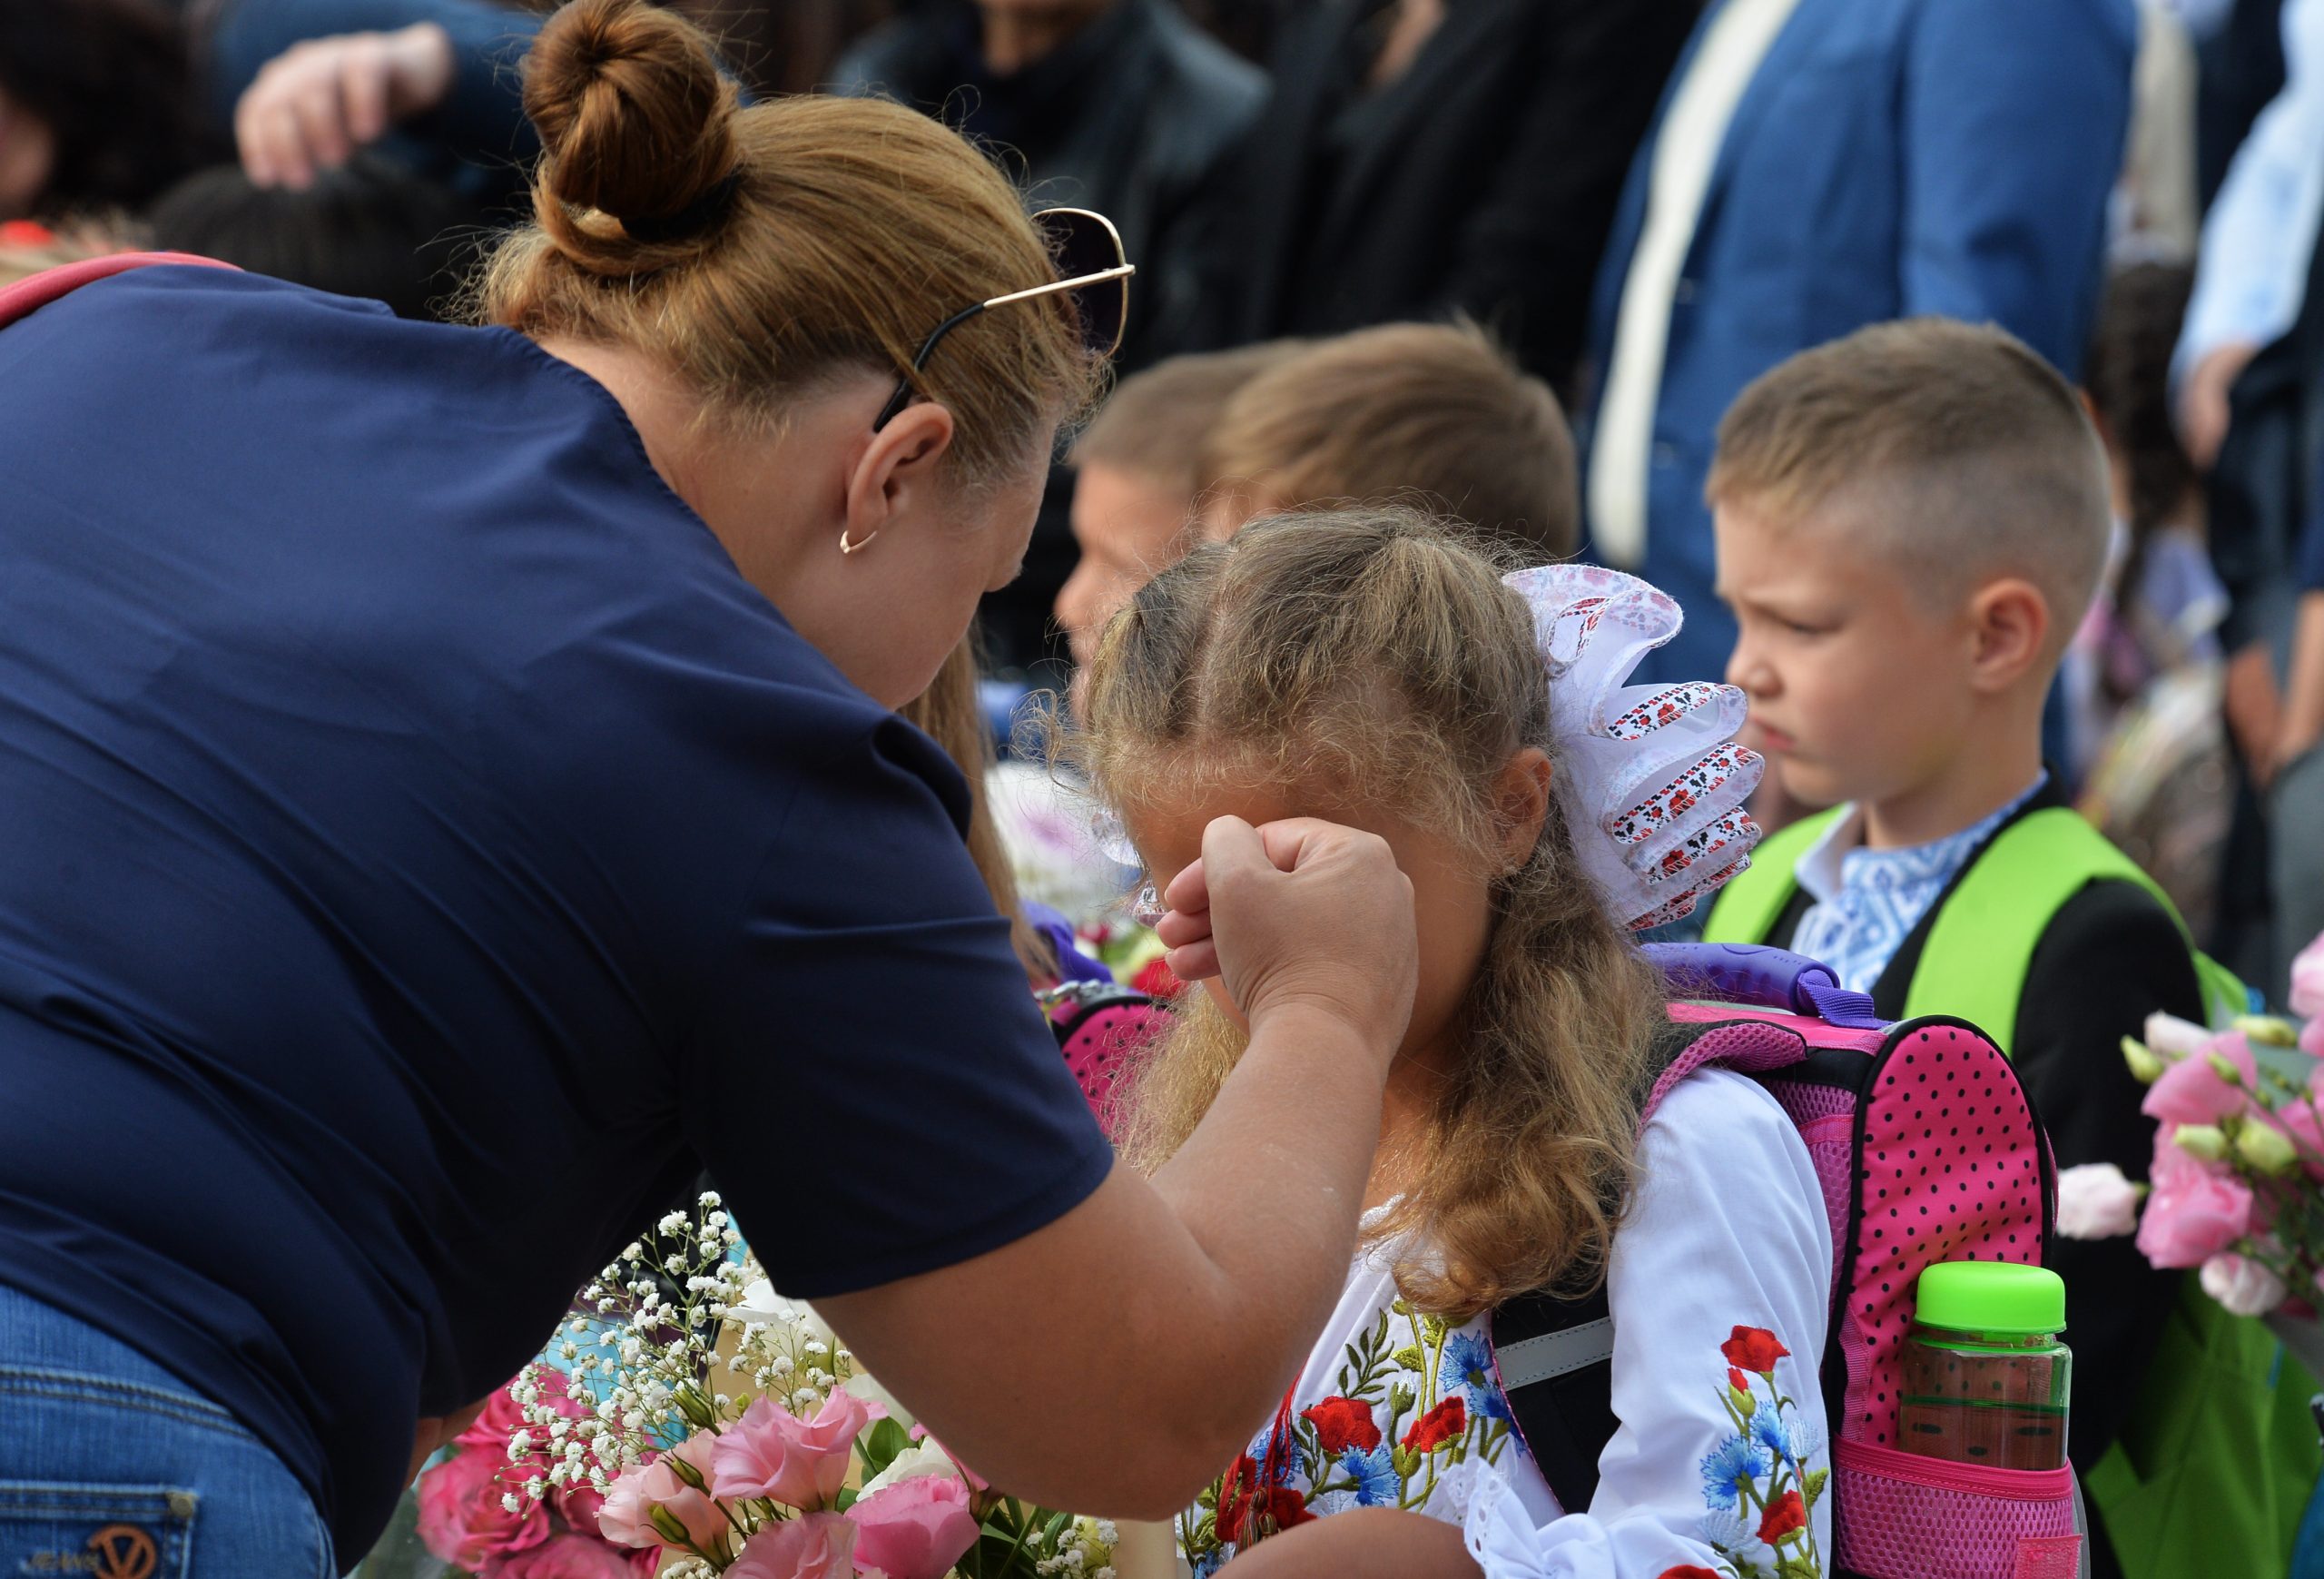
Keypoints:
pixel 1905 1517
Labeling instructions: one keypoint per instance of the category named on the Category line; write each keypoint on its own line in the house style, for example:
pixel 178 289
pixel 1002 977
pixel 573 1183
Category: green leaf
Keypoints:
pixel 1813 1487
pixel 882 1445
pixel 1410 1357
pixel 846 1499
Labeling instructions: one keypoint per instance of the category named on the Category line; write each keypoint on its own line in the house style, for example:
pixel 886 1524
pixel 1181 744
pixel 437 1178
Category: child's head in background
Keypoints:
pixel 1373 668
pixel 368 228
pixel 1911 522
pixel 1140 476
pixel 1431 415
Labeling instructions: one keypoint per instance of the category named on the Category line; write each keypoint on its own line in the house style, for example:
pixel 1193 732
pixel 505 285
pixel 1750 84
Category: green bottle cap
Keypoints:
pixel 1996 1297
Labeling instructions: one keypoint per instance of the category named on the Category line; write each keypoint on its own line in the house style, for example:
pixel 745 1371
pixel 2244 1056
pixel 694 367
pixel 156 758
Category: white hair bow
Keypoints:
pixel 1650 777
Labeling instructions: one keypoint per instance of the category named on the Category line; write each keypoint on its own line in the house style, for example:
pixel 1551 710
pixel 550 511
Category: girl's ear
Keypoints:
pixel 1522 799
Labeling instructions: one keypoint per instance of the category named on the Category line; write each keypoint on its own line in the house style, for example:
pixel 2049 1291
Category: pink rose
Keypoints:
pixel 915 1529
pixel 2307 982
pixel 2241 1286
pixel 2196 1211
pixel 464 1521
pixel 801 1464
pixel 811 1546
pixel 567 1557
pixel 626 1515
pixel 2095 1201
pixel 2193 1091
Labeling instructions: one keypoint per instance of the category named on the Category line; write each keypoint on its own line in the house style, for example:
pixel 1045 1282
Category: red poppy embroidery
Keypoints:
pixel 1753 1348
pixel 1689 1571
pixel 1438 1426
pixel 1786 1514
pixel 1342 1424
pixel 1735 1379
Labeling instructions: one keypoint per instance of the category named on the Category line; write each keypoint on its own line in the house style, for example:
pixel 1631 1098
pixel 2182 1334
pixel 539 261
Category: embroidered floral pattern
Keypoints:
pixel 1665 706
pixel 1756 1483
pixel 1680 795
pixel 1414 1397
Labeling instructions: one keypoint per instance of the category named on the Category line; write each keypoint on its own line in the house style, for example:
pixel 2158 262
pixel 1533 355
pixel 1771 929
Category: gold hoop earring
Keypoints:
pixel 847 548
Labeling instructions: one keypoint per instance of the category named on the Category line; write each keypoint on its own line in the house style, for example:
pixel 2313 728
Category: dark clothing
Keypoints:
pixel 1481 180
pixel 2111 957
pixel 424 855
pixel 1130 116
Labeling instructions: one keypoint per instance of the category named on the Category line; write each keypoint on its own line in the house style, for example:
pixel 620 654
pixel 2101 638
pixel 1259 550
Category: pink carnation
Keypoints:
pixel 915 1529
pixel 811 1546
pixel 802 1463
pixel 2197 1210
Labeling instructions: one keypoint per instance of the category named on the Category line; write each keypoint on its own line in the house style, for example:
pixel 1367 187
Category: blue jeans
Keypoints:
pixel 112 1468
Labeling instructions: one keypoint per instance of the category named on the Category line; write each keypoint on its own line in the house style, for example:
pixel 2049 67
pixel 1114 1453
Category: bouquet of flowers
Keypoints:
pixel 2238 1176
pixel 687 1421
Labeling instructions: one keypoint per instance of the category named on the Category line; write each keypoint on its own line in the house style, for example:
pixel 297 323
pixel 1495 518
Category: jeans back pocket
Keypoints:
pixel 71 1531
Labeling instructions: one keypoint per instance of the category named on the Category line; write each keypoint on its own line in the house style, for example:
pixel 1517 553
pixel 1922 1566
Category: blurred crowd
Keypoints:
pixel 1644 204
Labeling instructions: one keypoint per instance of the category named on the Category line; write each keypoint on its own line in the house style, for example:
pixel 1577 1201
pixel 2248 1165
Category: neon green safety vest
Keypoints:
pixel 2213 1468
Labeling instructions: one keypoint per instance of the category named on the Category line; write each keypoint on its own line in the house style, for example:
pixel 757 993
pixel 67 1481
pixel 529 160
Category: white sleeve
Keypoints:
pixel 2253 267
pixel 1724 1266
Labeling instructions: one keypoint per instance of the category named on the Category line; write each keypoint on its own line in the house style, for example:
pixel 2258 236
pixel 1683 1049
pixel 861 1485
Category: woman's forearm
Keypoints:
pixel 1117 1360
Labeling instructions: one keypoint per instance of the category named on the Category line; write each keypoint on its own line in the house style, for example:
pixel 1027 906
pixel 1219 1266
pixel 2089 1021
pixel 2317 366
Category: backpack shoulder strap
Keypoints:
pixel 1982 941
pixel 1554 1356
pixel 38 291
pixel 1748 908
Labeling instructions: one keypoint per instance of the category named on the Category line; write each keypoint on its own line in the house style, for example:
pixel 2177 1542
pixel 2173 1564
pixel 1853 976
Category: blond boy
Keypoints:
pixel 1910 523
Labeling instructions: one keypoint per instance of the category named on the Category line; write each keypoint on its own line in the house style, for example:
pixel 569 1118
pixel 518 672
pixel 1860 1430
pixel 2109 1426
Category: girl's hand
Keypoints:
pixel 1360 1544
pixel 1298 916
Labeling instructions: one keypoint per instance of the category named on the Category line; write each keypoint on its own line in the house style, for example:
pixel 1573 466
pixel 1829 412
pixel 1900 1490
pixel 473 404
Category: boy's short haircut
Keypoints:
pixel 1979 459
pixel 1157 425
pixel 1434 414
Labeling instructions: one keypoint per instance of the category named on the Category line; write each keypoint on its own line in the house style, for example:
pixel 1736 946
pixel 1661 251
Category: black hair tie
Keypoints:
pixel 697 216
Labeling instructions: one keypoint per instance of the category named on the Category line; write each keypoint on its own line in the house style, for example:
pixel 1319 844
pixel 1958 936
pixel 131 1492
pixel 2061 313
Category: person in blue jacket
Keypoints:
pixel 1817 165
pixel 452 801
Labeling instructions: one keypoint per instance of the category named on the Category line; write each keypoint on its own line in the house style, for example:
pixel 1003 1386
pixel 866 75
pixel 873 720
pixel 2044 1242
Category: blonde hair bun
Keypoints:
pixel 634 123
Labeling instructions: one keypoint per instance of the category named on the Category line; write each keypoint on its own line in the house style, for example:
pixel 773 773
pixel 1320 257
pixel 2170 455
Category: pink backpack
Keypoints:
pixel 1929 1150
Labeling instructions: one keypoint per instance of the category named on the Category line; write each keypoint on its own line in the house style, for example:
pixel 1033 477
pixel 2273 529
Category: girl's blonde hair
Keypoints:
pixel 852 228
pixel 1373 659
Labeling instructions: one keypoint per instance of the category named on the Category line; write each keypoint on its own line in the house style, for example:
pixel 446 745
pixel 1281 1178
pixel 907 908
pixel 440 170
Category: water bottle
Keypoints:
pixel 1986 1380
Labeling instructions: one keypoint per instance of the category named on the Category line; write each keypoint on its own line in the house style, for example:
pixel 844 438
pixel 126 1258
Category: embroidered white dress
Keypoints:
pixel 1718 1284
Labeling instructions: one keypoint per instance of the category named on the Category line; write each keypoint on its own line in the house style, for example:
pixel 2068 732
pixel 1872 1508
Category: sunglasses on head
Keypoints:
pixel 1093 275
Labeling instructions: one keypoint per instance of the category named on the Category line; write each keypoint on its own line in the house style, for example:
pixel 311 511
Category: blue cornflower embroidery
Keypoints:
pixel 1377 1484
pixel 1468 1360
pixel 1734 1463
pixel 1769 1431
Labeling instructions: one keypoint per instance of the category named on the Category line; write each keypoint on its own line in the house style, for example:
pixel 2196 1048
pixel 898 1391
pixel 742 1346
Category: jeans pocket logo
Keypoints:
pixel 122 1552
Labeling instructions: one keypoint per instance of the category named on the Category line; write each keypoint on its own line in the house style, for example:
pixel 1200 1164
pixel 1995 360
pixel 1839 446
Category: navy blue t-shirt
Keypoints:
pixel 421 852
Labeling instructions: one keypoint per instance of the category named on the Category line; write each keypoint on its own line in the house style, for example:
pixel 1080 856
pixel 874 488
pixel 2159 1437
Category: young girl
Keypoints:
pixel 1370 668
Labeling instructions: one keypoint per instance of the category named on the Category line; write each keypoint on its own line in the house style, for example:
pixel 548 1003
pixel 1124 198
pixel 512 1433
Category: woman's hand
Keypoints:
pixel 1360 1544
pixel 1298 916
pixel 317 103
pixel 1183 1304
